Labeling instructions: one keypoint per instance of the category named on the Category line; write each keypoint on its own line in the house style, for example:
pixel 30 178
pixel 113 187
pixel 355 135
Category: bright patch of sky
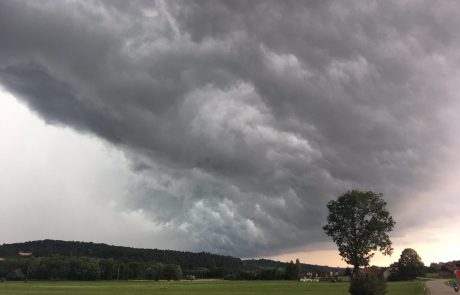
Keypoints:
pixel 59 184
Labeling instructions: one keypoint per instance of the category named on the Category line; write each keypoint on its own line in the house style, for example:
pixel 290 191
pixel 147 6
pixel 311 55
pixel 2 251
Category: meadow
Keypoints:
pixel 217 287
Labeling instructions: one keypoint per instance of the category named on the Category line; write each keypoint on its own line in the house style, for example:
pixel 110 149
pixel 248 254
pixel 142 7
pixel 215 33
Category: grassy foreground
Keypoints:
pixel 196 287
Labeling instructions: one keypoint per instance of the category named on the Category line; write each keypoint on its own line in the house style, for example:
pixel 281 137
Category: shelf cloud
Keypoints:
pixel 244 118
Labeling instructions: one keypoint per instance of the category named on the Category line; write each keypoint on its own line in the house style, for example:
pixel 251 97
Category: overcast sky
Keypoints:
pixel 227 126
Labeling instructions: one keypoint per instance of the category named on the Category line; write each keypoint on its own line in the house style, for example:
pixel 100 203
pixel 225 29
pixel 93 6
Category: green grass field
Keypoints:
pixel 196 287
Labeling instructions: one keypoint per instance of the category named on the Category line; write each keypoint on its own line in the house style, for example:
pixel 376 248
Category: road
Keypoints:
pixel 438 287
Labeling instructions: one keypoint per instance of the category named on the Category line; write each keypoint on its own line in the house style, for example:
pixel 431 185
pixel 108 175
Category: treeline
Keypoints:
pixel 187 260
pixel 86 268
pixel 444 269
pixel 61 260
pixel 321 270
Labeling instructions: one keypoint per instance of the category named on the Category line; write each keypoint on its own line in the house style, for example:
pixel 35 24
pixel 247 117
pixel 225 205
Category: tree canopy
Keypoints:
pixel 359 223
pixel 410 265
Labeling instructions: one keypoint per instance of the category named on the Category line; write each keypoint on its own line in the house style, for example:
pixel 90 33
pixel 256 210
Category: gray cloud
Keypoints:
pixel 245 118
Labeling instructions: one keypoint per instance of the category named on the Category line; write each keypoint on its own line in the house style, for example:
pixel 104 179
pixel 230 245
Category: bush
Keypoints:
pixel 367 284
pixel 172 272
pixel 15 275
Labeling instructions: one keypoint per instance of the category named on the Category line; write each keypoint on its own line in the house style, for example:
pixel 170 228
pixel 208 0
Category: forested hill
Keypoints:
pixel 46 248
pixel 51 259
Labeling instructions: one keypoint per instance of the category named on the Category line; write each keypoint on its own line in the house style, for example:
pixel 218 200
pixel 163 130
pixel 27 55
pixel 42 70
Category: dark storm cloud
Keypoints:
pixel 245 117
pixel 55 101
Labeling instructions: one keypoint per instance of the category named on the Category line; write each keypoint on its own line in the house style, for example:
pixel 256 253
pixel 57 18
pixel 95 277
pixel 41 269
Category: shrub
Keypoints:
pixel 172 272
pixel 368 284
pixel 15 275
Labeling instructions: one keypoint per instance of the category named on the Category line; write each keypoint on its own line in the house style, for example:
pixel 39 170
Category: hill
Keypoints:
pixel 110 262
pixel 46 248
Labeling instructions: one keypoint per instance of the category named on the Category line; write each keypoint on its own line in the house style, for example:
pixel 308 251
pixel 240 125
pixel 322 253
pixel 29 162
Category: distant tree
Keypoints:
pixel 122 271
pixel 292 271
pixel 92 270
pixel 172 272
pixel 34 268
pixel 135 270
pixel 15 275
pixel 410 265
pixel 358 223
pixel 107 267
pixel 81 268
pixel 154 271
pixel 298 269
pixel 433 268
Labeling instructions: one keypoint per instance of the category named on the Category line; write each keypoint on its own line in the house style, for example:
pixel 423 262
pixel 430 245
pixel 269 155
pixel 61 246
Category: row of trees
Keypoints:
pixel 88 268
pixel 85 268
pixel 292 271
pixel 261 264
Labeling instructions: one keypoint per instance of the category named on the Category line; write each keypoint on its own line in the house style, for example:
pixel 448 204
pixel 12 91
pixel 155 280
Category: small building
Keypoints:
pixel 2 259
pixel 24 254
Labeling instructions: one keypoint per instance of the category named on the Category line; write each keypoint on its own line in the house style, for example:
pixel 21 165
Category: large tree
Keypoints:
pixel 359 223
pixel 410 265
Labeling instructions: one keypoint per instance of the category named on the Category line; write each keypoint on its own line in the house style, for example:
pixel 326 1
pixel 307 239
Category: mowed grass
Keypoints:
pixel 196 287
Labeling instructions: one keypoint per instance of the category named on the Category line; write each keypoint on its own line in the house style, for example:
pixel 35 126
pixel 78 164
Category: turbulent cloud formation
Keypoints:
pixel 245 118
